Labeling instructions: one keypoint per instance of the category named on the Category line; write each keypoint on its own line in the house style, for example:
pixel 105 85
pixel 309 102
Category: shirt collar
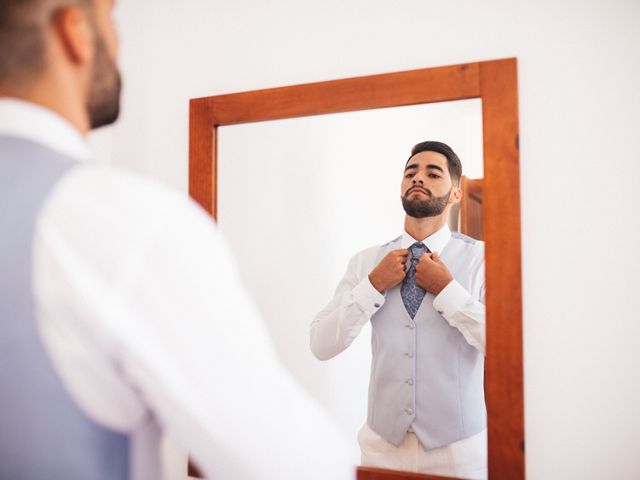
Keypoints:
pixel 434 242
pixel 40 125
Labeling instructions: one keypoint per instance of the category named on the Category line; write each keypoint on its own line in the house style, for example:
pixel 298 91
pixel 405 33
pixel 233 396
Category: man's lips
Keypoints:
pixel 417 189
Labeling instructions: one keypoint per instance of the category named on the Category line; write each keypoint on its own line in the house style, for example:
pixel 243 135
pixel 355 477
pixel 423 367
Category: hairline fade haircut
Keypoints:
pixel 453 162
pixel 23 24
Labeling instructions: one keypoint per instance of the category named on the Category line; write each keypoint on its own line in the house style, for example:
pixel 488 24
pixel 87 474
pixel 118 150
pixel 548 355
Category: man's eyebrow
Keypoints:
pixel 415 166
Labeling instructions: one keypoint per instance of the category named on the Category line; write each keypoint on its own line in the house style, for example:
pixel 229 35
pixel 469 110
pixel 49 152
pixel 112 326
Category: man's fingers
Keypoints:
pixel 433 256
pixel 426 256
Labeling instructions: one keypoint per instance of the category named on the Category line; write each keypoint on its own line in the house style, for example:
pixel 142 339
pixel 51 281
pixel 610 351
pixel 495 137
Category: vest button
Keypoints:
pixel 410 381
pixel 410 326
pixel 409 354
pixel 377 305
pixel 409 411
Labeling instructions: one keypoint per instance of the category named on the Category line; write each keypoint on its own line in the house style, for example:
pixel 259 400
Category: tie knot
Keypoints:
pixel 418 249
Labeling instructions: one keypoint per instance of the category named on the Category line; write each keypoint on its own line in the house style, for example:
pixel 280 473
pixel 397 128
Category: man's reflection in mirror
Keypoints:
pixel 423 293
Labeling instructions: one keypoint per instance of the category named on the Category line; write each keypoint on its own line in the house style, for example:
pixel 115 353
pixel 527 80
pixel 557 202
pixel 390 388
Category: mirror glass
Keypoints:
pixel 298 198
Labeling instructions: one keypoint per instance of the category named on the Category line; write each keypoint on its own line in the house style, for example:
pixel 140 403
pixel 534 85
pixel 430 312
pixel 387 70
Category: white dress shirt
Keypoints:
pixel 354 303
pixel 141 309
pixel 356 300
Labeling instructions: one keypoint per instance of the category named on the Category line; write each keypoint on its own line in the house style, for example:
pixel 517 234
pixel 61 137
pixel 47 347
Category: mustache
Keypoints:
pixel 422 189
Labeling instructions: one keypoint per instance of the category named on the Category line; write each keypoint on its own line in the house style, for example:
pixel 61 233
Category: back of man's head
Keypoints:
pixel 23 29
pixel 68 49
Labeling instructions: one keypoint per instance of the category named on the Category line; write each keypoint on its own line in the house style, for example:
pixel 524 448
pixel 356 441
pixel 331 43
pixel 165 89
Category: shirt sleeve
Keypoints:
pixel 463 312
pixel 353 304
pixel 140 280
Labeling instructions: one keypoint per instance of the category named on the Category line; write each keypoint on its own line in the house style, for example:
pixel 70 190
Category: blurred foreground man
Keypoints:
pixel 121 311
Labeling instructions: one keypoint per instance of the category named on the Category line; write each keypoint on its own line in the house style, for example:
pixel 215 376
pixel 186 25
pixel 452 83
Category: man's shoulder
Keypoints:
pixel 466 239
pixel 464 243
pixel 32 153
pixel 124 188
pixel 463 239
pixel 102 201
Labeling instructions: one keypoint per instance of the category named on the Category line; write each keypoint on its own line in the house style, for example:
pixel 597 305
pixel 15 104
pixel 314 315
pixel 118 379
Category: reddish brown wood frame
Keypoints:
pixel 495 82
pixel 471 207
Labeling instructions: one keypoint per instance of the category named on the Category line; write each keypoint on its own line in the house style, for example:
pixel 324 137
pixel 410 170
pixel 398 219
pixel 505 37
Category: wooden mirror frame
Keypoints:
pixel 495 82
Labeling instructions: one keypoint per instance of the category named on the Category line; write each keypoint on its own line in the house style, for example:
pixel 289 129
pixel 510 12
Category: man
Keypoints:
pixel 121 312
pixel 423 294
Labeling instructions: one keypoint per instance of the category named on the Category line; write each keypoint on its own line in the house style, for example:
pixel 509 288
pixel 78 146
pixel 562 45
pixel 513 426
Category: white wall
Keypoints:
pixel 579 72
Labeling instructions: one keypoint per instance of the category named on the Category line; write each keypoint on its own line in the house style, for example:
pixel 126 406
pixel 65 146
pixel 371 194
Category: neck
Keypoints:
pixel 57 96
pixel 421 228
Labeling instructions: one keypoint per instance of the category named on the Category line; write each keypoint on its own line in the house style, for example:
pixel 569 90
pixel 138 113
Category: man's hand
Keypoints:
pixel 431 273
pixel 390 271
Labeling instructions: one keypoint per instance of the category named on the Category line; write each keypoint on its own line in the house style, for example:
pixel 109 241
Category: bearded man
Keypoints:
pixel 424 296
pixel 122 315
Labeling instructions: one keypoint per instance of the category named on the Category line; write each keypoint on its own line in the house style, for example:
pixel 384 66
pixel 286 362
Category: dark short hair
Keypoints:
pixel 22 36
pixel 453 162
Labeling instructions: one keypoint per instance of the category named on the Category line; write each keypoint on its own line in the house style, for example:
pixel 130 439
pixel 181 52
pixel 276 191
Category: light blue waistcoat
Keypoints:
pixel 424 374
pixel 43 434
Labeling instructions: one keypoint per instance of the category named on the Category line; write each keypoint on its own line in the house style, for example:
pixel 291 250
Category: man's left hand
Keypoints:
pixel 431 273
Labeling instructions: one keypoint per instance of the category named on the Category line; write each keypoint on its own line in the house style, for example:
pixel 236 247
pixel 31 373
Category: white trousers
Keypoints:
pixel 466 458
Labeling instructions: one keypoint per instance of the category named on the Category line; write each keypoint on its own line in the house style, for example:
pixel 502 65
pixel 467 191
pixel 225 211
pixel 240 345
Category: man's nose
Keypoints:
pixel 417 179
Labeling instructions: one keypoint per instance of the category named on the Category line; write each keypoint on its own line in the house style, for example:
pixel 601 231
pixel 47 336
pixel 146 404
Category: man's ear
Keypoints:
pixel 456 195
pixel 72 26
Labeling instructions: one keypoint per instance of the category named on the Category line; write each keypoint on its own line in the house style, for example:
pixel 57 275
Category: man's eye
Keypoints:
pixel 408 175
pixel 433 175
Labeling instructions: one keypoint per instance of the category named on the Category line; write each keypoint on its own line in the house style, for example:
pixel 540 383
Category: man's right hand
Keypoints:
pixel 390 271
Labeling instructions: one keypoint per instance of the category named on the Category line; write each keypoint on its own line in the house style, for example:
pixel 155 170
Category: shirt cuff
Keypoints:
pixel 451 299
pixel 367 297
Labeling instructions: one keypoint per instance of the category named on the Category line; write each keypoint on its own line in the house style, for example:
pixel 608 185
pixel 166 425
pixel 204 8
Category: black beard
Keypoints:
pixel 103 104
pixel 432 207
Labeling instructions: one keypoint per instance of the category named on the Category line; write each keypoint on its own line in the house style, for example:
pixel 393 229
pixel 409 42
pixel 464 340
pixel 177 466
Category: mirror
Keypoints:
pixel 223 185
pixel 297 198
pixel 315 190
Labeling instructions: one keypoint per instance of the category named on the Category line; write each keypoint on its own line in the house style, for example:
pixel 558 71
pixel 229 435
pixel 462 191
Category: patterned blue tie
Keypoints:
pixel 412 294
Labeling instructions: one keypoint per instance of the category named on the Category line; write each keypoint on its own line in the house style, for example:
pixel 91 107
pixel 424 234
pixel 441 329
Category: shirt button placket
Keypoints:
pixel 410 354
